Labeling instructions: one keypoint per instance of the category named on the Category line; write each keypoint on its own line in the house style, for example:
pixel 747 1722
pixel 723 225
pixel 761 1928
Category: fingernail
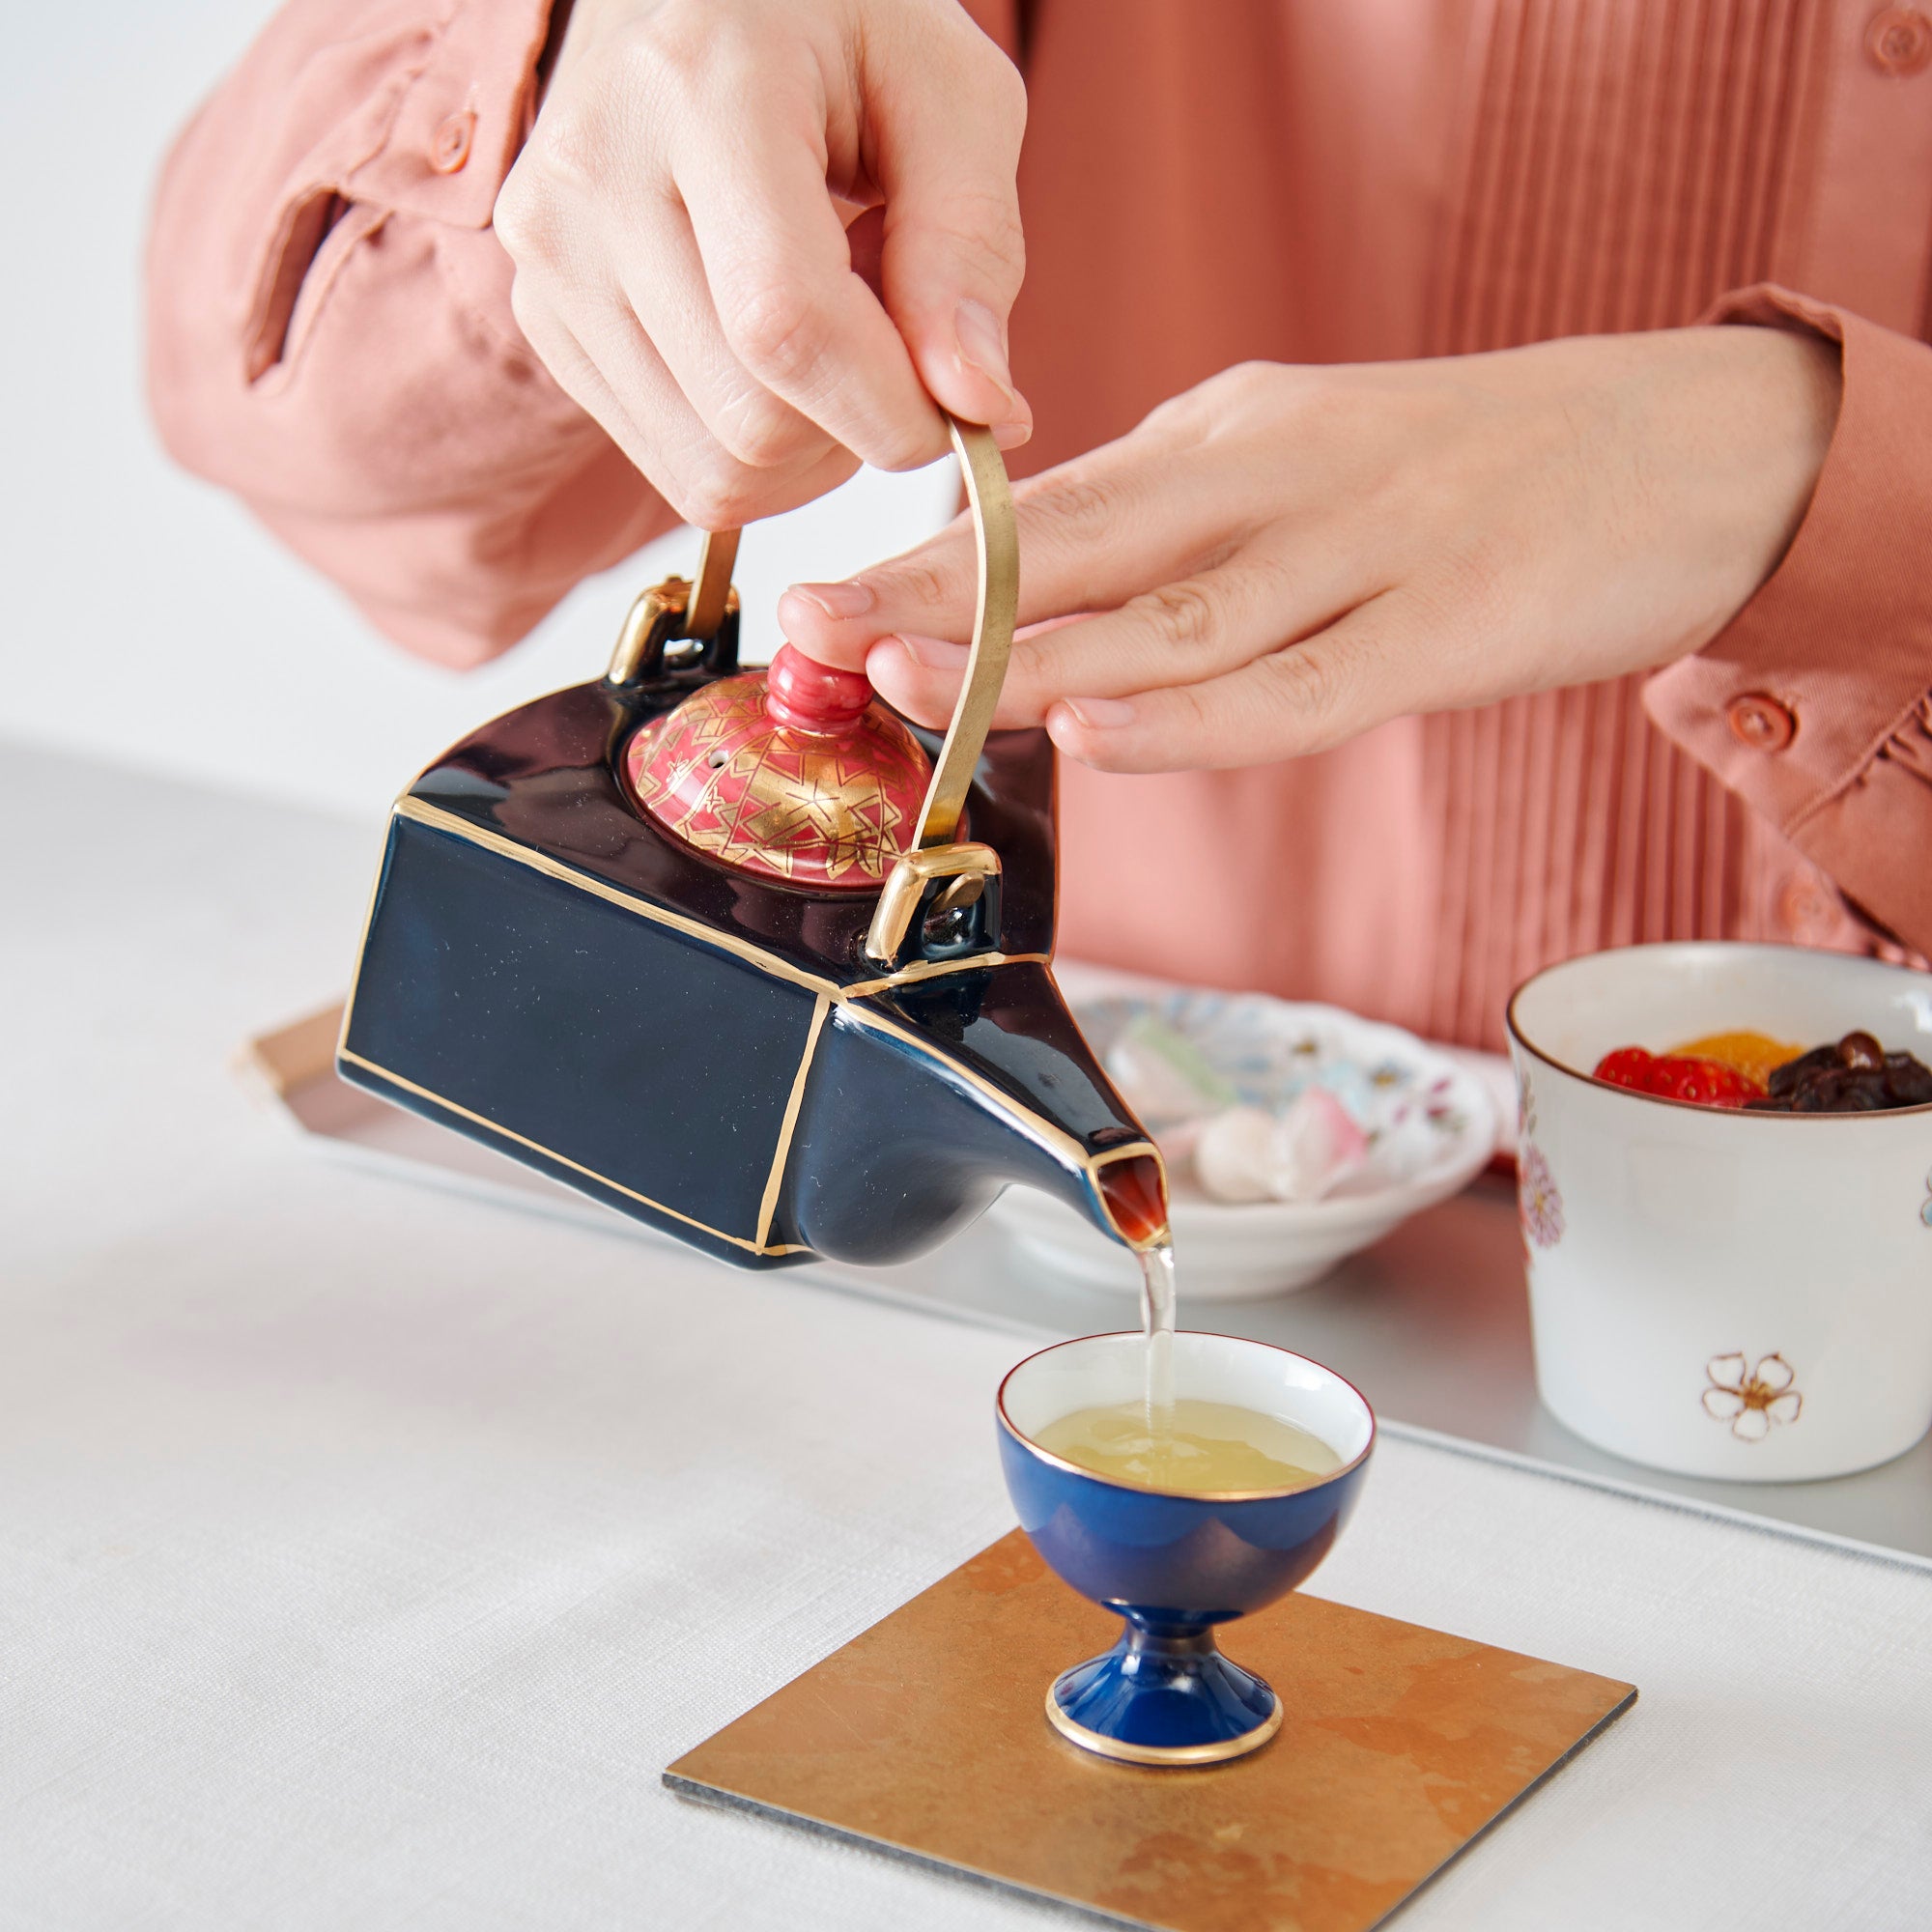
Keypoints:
pixel 837 600
pixel 981 348
pixel 1011 434
pixel 1100 714
pixel 935 653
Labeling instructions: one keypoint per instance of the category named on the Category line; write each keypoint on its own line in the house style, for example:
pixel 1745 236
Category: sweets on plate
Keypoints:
pixel 1752 1070
pixel 1262 1114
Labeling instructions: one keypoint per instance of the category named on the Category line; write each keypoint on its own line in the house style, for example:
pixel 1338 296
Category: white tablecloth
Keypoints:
pixel 366 1553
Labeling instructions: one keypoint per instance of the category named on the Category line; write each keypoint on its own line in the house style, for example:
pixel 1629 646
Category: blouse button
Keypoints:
pixel 1761 723
pixel 1808 911
pixel 1898 41
pixel 450 145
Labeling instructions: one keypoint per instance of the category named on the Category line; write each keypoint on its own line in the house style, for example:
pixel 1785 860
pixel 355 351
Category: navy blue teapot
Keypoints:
pixel 713 947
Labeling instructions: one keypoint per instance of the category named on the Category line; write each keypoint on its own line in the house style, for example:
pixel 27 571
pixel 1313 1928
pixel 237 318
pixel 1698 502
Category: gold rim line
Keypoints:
pixel 935 969
pixel 768 1204
pixel 996 551
pixel 1176 1755
pixel 846 997
pixel 1134 1150
pixel 438 820
pixel 564 1160
pixel 1046 1131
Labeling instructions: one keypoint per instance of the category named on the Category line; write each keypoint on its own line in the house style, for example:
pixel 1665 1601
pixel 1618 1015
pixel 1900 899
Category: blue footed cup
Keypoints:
pixel 1173 1566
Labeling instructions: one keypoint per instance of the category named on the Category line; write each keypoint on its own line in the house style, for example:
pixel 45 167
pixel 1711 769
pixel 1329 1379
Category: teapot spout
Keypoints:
pixel 923 1100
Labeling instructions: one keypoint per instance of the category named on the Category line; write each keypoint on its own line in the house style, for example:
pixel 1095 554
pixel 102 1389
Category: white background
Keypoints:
pixel 147 619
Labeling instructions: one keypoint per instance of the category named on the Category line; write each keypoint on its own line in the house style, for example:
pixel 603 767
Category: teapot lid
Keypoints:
pixel 796 773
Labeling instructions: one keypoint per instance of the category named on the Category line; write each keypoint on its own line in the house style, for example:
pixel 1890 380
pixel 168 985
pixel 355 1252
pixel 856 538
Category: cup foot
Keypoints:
pixel 1177 1708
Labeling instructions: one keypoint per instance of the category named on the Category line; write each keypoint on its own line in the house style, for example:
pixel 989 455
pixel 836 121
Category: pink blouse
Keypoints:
pixel 330 336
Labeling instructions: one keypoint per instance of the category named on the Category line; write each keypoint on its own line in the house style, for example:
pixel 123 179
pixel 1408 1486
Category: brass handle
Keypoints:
pixel 675 611
pixel 996 543
pixel 934 857
pixel 704 608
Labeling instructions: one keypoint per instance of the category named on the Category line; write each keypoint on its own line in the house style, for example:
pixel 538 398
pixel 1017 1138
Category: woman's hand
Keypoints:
pixel 1286 557
pixel 683 268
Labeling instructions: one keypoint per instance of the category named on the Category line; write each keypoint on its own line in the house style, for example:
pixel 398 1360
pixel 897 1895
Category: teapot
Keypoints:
pixel 744 955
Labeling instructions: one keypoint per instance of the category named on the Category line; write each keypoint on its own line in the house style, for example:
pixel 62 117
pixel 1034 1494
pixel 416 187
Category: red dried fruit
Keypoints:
pixel 1703 1083
pixel 1676 1076
pixel 1627 1067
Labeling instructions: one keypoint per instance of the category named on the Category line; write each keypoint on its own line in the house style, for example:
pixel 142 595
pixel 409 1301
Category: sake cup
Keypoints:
pixel 1173 1566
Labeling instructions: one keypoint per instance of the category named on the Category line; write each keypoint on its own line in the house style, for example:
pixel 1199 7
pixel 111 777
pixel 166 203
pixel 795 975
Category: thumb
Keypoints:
pixel 948 143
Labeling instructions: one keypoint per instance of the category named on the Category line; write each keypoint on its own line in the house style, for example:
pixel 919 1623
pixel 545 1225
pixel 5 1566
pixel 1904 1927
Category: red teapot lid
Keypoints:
pixel 795 772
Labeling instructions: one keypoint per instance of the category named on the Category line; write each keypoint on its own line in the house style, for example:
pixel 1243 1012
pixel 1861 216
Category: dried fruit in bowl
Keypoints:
pixel 1754 1055
pixel 1678 1076
pixel 1852 1075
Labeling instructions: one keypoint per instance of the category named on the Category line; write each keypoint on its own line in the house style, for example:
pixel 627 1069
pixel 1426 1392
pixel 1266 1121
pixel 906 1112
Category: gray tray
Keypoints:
pixel 1433 1323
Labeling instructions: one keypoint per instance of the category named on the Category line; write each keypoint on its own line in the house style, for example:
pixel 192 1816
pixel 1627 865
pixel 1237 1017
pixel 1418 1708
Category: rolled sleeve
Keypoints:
pixel 331 333
pixel 1812 703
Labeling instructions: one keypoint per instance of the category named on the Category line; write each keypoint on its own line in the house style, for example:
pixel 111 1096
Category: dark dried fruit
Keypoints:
pixel 1862 1051
pixel 1819 1095
pixel 1907 1084
pixel 1855 1075
pixel 1784 1079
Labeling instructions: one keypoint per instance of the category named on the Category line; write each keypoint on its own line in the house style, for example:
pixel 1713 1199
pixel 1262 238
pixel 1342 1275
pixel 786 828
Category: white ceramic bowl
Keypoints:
pixel 1716 1292
pixel 1240 1252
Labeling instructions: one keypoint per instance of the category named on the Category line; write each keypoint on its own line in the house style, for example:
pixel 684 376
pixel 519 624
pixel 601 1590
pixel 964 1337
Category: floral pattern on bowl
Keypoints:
pixel 1752 1399
pixel 1539 1200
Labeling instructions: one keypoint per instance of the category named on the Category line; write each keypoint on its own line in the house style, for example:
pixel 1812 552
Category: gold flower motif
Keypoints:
pixel 1751 1399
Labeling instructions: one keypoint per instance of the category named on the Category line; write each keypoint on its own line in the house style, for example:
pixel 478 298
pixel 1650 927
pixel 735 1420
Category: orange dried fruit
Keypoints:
pixel 1752 1055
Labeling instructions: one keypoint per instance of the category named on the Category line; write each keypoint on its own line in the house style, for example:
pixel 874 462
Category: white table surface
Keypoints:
pixel 366 1553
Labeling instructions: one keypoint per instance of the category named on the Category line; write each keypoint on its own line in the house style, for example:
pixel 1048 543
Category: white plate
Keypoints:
pixel 1239 1252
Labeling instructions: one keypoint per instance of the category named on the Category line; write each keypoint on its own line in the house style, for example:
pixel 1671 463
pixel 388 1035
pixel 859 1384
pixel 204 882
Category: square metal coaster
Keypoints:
pixel 927 1736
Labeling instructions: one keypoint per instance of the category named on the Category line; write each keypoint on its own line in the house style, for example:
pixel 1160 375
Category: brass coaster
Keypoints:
pixel 925 1736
